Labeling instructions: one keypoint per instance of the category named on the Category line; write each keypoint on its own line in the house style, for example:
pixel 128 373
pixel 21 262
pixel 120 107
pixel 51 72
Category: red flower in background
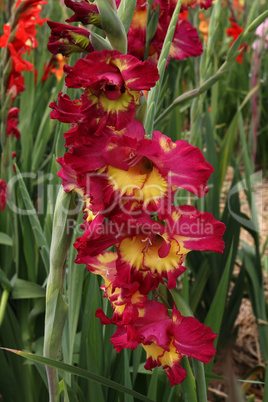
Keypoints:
pixel 234 32
pixel 23 40
pixel 12 122
pixel 54 67
pixel 3 194
pixel 186 42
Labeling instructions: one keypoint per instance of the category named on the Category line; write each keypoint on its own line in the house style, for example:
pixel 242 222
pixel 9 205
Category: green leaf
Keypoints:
pixel 26 290
pixel 215 313
pixel 80 373
pixel 98 42
pixel 127 377
pixel 126 11
pixel 32 215
pixel 188 386
pixel 154 93
pixel 227 145
pixel 5 239
pixel 113 26
pixel 152 391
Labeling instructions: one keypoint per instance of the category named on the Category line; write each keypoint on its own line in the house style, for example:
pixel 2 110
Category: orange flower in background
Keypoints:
pixel 203 27
pixel 54 67
pixel 238 5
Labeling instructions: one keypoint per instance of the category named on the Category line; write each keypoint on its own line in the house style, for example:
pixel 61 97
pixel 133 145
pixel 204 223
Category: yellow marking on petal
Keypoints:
pixel 90 215
pixel 139 19
pixel 175 215
pixel 153 350
pixel 166 358
pixel 87 208
pixel 166 144
pixel 104 266
pixel 119 309
pixel 154 187
pixel 168 263
pixel 180 240
pixel 131 251
pixel 121 64
pixel 79 191
pixel 136 96
pixel 117 304
pixel 126 181
pixel 171 357
pixel 117 105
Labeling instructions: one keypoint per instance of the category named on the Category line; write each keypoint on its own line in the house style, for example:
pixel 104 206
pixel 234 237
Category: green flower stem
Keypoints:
pixel 56 307
pixel 191 94
pixel 162 62
pixel 188 386
pixel 3 304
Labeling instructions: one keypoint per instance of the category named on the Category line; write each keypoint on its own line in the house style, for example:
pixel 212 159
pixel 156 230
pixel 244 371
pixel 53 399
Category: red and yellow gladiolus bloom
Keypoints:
pixel 126 300
pixel 166 339
pixel 149 246
pixel 128 167
pixel 151 171
pixel 112 83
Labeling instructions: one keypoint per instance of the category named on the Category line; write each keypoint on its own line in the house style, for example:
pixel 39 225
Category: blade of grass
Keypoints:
pixel 36 227
pixel 215 313
pixel 154 93
pixel 5 239
pixel 80 372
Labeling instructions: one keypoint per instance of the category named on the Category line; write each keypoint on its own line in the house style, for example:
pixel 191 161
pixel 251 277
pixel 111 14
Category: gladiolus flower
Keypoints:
pixel 3 194
pixel 4 38
pixel 130 167
pixel 203 27
pixel 186 42
pixel 127 300
pixel 15 84
pixel 148 246
pixel 192 3
pixel 23 39
pixel 113 84
pixel 66 39
pixel 12 122
pixel 235 31
pixel 85 12
pixel 166 339
pixel 55 66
